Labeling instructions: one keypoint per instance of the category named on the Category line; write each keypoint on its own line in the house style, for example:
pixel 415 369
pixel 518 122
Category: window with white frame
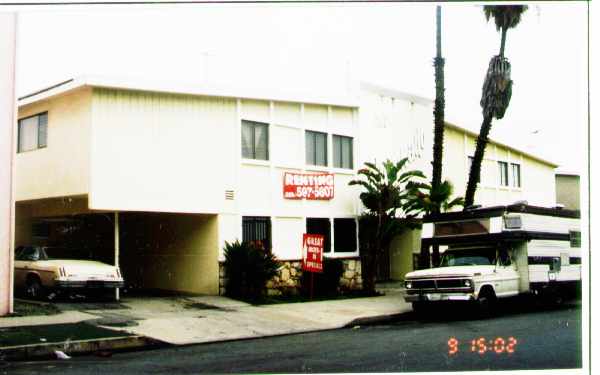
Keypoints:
pixel 32 132
pixel 342 152
pixel 255 140
pixel 316 148
pixel 515 174
pixel 344 235
pixel 503 169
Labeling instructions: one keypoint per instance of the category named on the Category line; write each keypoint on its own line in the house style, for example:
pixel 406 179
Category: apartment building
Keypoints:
pixel 156 178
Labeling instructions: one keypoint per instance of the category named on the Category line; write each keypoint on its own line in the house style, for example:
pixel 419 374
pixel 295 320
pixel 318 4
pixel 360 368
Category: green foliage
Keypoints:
pixel 385 188
pixel 326 284
pixel 385 193
pixel 248 269
pixel 505 16
pixel 424 198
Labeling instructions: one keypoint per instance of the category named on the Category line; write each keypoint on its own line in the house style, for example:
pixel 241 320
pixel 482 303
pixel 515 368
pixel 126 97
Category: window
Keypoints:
pixel 503 168
pixel 255 140
pixel 32 132
pixel 320 226
pixel 344 235
pixel 342 152
pixel 316 148
pixel 515 174
pixel 257 230
pixel 469 164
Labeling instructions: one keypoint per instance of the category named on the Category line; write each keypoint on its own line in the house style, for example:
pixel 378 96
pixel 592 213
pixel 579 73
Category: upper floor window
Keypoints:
pixel 515 174
pixel 503 168
pixel 32 132
pixel 316 148
pixel 342 152
pixel 255 140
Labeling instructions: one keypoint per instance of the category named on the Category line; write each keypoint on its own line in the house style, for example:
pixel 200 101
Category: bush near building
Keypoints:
pixel 248 268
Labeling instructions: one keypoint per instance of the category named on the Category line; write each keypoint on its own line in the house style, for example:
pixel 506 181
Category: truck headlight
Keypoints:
pixel 408 285
pixel 468 283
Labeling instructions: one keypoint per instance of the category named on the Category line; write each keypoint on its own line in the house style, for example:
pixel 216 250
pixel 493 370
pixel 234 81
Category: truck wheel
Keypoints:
pixel 420 308
pixel 34 290
pixel 486 303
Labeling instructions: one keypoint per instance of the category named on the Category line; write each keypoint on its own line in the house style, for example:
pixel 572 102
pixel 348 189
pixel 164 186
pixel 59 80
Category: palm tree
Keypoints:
pixel 497 88
pixel 430 200
pixel 438 110
pixel 438 128
pixel 385 193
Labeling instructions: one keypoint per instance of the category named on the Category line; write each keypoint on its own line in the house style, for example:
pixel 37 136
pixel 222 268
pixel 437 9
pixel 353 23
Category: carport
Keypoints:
pixel 155 251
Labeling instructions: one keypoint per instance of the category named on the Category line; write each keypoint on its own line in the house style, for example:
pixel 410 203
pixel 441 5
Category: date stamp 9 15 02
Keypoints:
pixel 482 345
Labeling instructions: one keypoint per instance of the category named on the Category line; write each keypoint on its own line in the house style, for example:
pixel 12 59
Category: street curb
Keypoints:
pixel 46 350
pixel 370 320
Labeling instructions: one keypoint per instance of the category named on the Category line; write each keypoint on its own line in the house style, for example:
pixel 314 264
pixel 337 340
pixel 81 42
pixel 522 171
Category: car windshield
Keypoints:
pixel 469 257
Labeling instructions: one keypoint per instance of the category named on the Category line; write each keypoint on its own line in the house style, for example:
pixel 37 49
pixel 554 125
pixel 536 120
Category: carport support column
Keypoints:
pixel 116 249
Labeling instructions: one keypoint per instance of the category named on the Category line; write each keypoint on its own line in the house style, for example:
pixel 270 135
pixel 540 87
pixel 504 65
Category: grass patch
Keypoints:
pixel 270 300
pixel 22 308
pixel 53 333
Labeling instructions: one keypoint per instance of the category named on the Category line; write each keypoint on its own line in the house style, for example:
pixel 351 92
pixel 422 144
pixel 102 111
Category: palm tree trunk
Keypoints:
pixel 438 116
pixel 475 172
pixel 438 111
pixel 435 255
pixel 503 42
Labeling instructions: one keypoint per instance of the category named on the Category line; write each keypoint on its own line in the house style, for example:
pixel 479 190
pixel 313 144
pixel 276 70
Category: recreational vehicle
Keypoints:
pixel 498 252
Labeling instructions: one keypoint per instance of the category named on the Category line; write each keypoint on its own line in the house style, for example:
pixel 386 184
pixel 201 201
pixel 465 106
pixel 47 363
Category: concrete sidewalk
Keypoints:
pixel 202 319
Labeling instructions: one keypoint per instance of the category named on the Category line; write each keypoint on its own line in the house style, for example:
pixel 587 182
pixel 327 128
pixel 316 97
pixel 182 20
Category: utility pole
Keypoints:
pixel 8 109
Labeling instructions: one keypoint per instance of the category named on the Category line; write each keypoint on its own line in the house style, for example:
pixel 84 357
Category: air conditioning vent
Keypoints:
pixel 229 195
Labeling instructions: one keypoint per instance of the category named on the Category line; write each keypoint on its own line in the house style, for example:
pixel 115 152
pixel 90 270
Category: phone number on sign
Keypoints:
pixel 325 192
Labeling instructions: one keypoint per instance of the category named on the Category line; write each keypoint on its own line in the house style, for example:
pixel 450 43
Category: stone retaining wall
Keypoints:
pixel 288 279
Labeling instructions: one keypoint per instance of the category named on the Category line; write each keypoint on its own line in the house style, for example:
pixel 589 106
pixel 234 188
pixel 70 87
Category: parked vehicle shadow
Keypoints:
pixel 445 311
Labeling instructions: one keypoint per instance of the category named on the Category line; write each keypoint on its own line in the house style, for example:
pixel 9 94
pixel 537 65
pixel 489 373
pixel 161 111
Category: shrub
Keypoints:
pixel 326 284
pixel 247 269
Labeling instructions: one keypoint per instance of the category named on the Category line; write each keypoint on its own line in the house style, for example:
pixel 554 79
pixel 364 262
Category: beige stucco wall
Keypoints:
pixel 401 253
pixel 537 177
pixel 26 214
pixel 61 168
pixel 162 152
pixel 568 191
pixel 177 252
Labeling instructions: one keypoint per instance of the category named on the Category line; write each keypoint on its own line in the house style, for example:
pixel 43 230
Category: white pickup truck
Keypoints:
pixel 497 252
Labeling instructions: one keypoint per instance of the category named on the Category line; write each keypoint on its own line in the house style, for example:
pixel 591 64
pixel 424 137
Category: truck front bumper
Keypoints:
pixel 429 297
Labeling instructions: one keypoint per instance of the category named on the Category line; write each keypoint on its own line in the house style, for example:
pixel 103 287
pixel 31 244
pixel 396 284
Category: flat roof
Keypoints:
pixel 186 89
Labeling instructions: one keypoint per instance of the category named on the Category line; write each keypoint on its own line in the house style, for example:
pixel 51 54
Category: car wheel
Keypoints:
pixel 34 290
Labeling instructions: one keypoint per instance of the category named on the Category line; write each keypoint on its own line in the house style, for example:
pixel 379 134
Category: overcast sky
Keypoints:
pixel 325 48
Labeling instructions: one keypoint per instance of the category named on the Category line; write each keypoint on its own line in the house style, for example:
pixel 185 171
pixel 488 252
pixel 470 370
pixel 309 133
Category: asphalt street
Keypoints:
pixel 516 338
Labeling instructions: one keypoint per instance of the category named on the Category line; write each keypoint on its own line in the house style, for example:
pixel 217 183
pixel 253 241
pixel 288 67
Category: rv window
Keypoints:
pixel 462 227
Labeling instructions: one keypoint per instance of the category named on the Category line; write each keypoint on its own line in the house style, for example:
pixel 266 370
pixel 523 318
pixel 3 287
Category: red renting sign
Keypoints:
pixel 308 186
pixel 312 252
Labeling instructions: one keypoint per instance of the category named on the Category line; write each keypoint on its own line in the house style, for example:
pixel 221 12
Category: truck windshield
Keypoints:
pixel 469 257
